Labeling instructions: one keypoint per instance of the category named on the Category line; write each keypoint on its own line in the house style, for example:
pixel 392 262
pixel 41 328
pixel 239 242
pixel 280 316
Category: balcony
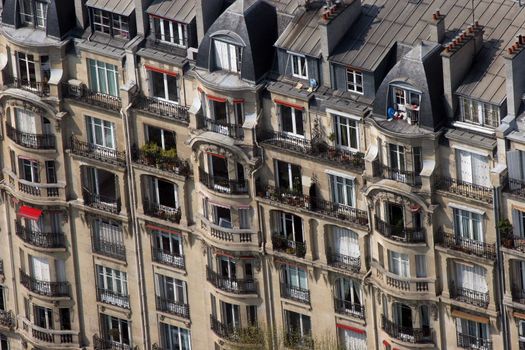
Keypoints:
pixel 172 165
pixel 167 258
pixel 465 189
pixel 232 130
pixel 46 288
pixel 295 293
pixel 404 176
pixel 344 307
pixel 232 235
pixel 93 98
pixel 315 205
pixel 469 296
pixel 40 239
pixel 516 187
pixel 294 340
pixel 465 245
pixel 7 319
pixel 106 344
pixel 162 108
pixel 223 185
pixel 236 286
pixel 28 140
pixel 235 334
pixel 37 189
pixel 318 151
pixel 281 244
pixel 110 249
pixel 514 242
pixel 160 211
pixel 173 307
pixel 38 88
pixel 466 341
pixel 406 334
pixel 102 154
pixel 518 294
pixel 346 262
pixel 64 338
pixel 112 298
pixel 97 201
pixel 406 285
pixel 400 233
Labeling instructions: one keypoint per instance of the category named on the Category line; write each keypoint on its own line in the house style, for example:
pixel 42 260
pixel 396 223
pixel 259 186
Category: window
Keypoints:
pixel 342 190
pixel 230 314
pixel 221 215
pixel 164 86
pixel 244 218
pixel 26 68
pixel 297 325
pixel 172 291
pixel 167 243
pixel 41 14
pixel 480 113
pixel 29 170
pixel 348 295
pixel 103 77
pixel 65 319
pixel 251 313
pixel 4 342
pixel 352 340
pixel 227 56
pixel 238 110
pixel 346 243
pixel 354 80
pixel 12 157
pixel 115 329
pixel 51 172
pixel 288 177
pixel 289 226
pixel 421 266
pixel 295 277
pixel 165 194
pixel 418 160
pixel 299 66
pixel 468 225
pixel 403 97
pixel 165 139
pixel 518 223
pixel 26 11
pixel 112 280
pixel 516 165
pixel 174 338
pixel 347 131
pixel 110 23
pixel 521 331
pixel 169 31
pixel 101 132
pixel 2 299
pixel 471 278
pixel 397 157
pixel 402 317
pixel 472 168
pixel 108 232
pixel 292 121
pixel 472 334
pixel 43 317
pixel 25 122
pixel 399 264
pixel 227 267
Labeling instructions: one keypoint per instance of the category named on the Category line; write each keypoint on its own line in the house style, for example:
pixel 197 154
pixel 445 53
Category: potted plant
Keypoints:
pixel 505 229
pixel 151 152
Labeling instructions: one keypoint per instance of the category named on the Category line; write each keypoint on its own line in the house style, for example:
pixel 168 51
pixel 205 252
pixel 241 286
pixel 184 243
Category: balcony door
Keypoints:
pixel 288 177
pixel 101 133
pixel 475 333
pixel 115 282
pixel 296 279
pixel 348 292
pixel 218 170
pixel 298 325
pixel 103 184
pixel 115 329
pixel 165 194
pixel 40 269
pixel 43 317
pixel 471 278
pixel 231 315
pixel 468 226
pixel 228 270
pixel 168 243
pixel 473 168
pixel 346 242
pixel 289 226
pixel 25 121
pixel 171 289
pixel 174 337
pixel 402 315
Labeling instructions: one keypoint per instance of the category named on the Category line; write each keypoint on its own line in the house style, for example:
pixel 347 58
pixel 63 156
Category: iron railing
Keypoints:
pixel 158 161
pixel 108 296
pixel 514 242
pixel 173 307
pixel 232 130
pixel 222 184
pixel 114 250
pixel 46 288
pixel 518 293
pixel 29 140
pixel 38 88
pixel 406 334
pixel 469 296
pixel 7 318
pixel 106 203
pixel 85 95
pixel 466 245
pixel 343 261
pixel 465 189
pixel 467 341
pixel 162 108
pixel 282 244
pixel 104 343
pixel 168 258
pixel 161 211
pixel 235 333
pixel 294 340
pixel 404 176
pixel 40 239
pixel 400 233
pixel 231 285
pixel 295 293
pixel 346 307
pixel 103 154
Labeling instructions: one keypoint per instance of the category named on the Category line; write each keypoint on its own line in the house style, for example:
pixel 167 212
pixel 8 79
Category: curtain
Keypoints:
pixel 346 242
pixel 40 269
pixel 353 340
pixel 25 121
pixel 471 277
pixel 480 170
pixel 421 266
pixel 221 54
pixel 465 165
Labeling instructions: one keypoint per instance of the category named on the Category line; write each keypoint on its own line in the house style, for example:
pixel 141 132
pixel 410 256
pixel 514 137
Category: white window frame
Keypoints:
pixel 167 330
pixel 294 120
pixel 352 81
pixel 176 33
pixel 155 184
pixel 467 230
pixel 33 167
pixel 106 128
pixel 476 112
pixel 109 74
pixel 166 91
pixel 284 217
pixel 296 277
pixel 227 56
pixel 174 241
pixel 399 264
pixel 113 280
pixel 346 186
pixel 26 60
pixel 400 156
pixel 400 102
pixel 354 288
pixel 299 65
pixel 108 321
pixel 163 283
pixel 119 26
pixel 41 14
pixel 341 123
pixel 290 173
pixel 98 21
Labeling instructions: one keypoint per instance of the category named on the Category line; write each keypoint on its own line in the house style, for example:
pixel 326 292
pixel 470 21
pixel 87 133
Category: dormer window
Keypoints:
pixel 299 66
pixel 354 80
pixel 404 103
pixel 110 23
pixel 227 56
pixel 480 113
pixel 33 13
pixel 170 32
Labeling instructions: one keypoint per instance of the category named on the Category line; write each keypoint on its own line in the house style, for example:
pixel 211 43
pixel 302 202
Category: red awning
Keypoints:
pixel 216 98
pixel 160 70
pixel 288 104
pixel 29 213
pixel 350 328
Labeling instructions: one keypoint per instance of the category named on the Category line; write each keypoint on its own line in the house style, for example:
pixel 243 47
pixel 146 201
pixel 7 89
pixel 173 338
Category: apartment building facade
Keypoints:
pixel 282 174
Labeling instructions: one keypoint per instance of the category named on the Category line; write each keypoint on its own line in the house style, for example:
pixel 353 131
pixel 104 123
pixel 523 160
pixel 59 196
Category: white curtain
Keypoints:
pixel 25 121
pixel 109 232
pixel 346 242
pixel 353 340
pixel 471 277
pixel 40 269
pixel 221 54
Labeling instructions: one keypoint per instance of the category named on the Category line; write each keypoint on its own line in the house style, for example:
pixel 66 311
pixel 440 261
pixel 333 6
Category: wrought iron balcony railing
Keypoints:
pixel 29 140
pixel 167 258
pixel 158 161
pixel 46 288
pixel 469 296
pixel 94 200
pixel 161 211
pixel 232 130
pixel 406 334
pixel 92 151
pixel 85 95
pixel 343 261
pixel 108 296
pixel 223 185
pixel 467 341
pixel 281 244
pixel 514 242
pixel 104 247
pixel 400 233
pixel 465 189
pixel 38 88
pixel 404 176
pixel 40 239
pixel 104 343
pixel 173 307
pixel 162 108
pixel 466 245
pixel 235 333
pixel 348 308
pixel 231 285
pixel 295 293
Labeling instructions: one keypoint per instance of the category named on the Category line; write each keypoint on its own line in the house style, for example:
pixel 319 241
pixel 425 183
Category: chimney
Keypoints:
pixel 336 19
pixel 515 70
pixel 457 60
pixel 437 27
pixel 207 11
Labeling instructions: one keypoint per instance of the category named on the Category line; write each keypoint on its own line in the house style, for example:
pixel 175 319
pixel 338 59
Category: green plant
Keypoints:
pixel 169 153
pixel 151 149
pixel 505 227
pixel 331 137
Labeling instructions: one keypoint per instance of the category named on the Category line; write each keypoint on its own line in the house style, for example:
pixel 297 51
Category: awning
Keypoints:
pixel 29 212
pixel 288 104
pixel 471 317
pixel 519 315
pixel 350 328
pixel 160 70
pixel 120 7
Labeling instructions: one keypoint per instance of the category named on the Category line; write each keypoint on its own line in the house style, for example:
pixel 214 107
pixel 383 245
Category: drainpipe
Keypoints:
pixel 7 219
pixel 500 268
pixel 135 227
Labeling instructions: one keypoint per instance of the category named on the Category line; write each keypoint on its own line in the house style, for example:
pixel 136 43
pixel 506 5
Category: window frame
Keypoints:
pixel 477 112
pixel 299 62
pixel 343 122
pixel 400 262
pixel 104 126
pixel 352 84
pixel 112 280
pixel 177 31
pixel 110 76
pixel 229 47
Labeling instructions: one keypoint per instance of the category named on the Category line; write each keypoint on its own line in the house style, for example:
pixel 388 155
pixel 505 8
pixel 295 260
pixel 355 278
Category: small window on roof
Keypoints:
pixel 480 113
pixel 299 66
pixel 110 23
pixel 404 103
pixel 354 79
pixel 170 32
pixel 228 56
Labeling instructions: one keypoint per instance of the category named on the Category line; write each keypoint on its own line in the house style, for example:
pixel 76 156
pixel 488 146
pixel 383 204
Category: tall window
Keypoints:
pixel 299 66
pixel 171 289
pixel 354 80
pixel 103 77
pixel 292 120
pixel 107 233
pixel 399 264
pixel 165 139
pixel 342 190
pixel 164 86
pixel 297 325
pixel 116 283
pixel 170 32
pixel 43 317
pixel 518 223
pixel 346 243
pixel 101 132
pixel 110 23
pixel 347 131
pixel 295 277
pixel 521 332
pixel 289 226
pixel 26 68
pixel 348 294
pixel 41 14
pixel 164 193
pixel 26 11
pixel 397 157
pixel 174 338
pixel 167 242
pixel 33 13
pixel 480 113
pixel 115 329
pixel 51 174
pixel 288 176
pixel 227 56
pixel 472 334
pixel 473 168
pixel 29 170
pixel 352 340
pixel 471 278
pixel 468 225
